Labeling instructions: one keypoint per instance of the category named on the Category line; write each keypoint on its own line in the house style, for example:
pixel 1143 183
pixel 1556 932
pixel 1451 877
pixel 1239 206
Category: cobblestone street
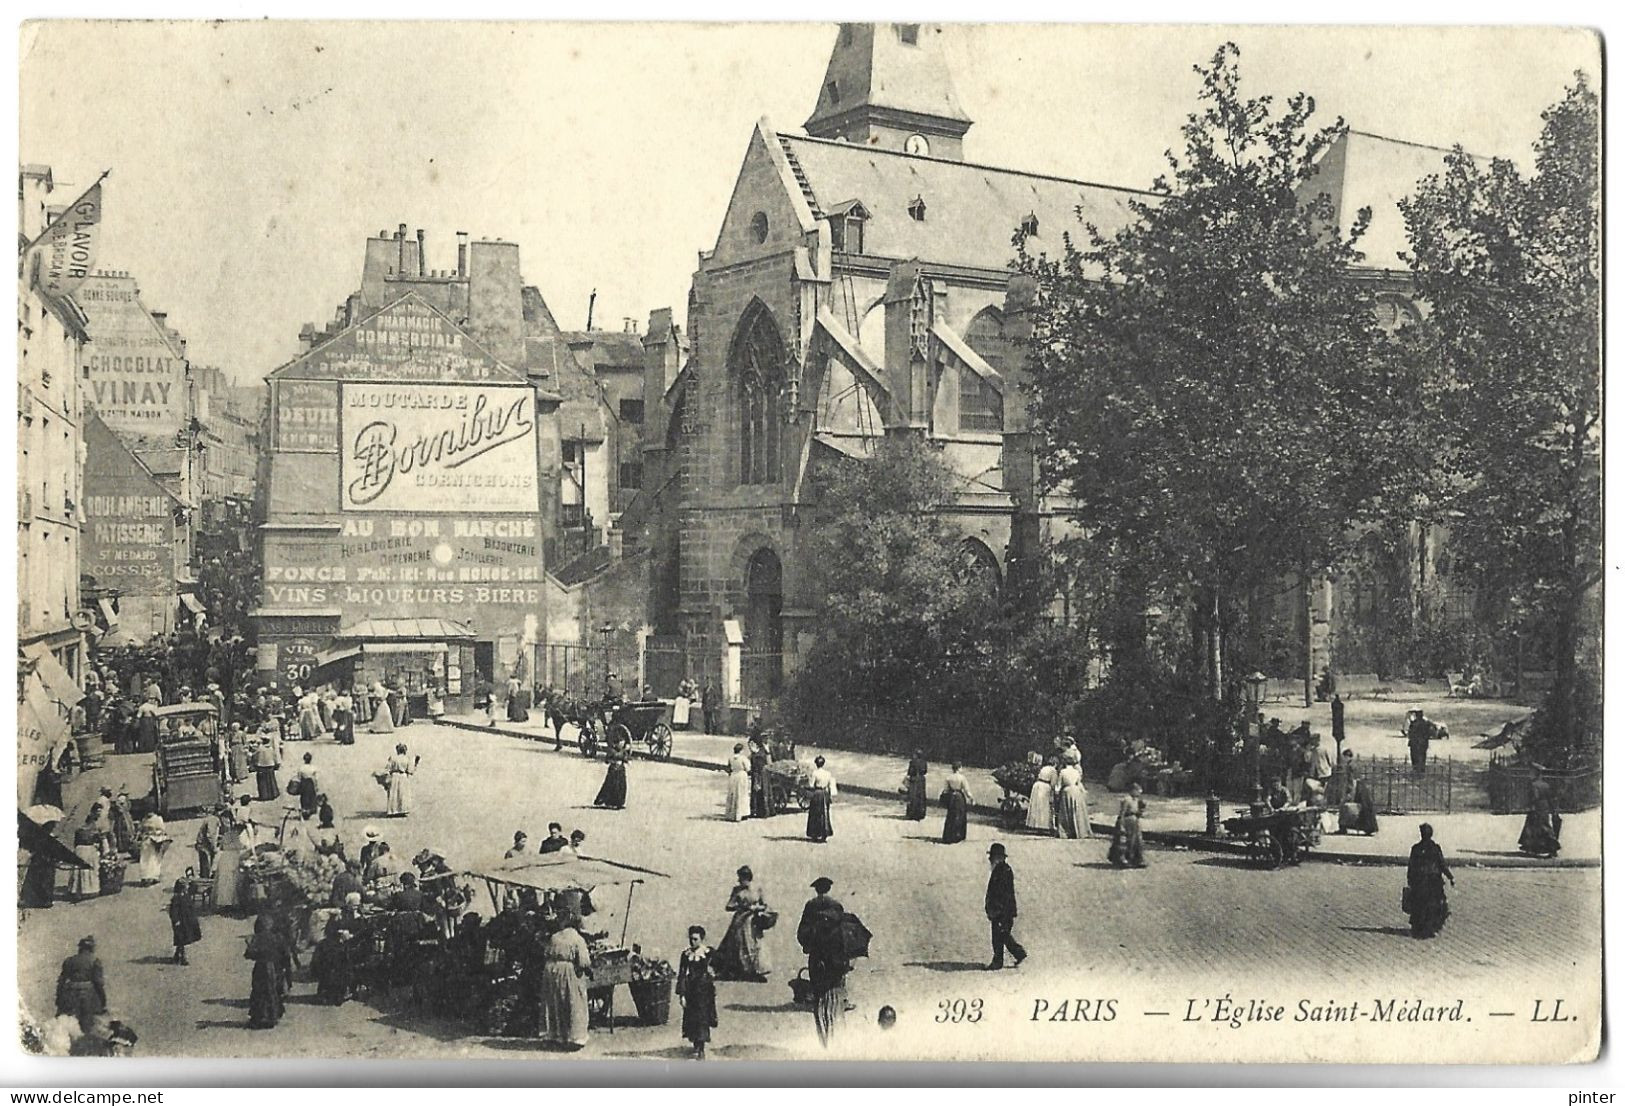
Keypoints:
pixel 1190 927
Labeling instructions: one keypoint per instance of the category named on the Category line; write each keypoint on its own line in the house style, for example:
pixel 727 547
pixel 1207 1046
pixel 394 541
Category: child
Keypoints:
pixel 697 988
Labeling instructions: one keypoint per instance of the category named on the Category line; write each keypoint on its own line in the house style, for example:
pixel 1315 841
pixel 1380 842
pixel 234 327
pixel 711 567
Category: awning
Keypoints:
pixel 555 875
pixel 191 603
pixel 33 837
pixel 108 613
pixel 402 647
pixel 57 680
pixel 336 654
pixel 41 733
pixel 405 629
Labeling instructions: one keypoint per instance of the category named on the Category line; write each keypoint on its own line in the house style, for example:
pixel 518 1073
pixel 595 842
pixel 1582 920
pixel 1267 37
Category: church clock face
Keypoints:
pixel 917 145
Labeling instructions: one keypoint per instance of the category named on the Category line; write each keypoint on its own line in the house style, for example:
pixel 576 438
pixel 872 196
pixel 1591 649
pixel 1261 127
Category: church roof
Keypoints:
pixel 874 66
pixel 1361 169
pixel 971 211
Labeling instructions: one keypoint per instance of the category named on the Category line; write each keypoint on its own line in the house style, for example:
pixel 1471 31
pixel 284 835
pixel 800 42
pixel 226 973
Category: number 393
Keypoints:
pixel 956 1010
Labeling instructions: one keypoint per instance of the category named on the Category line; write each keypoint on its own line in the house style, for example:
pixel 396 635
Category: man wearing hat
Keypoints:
pixel 80 989
pixel 819 934
pixel 1001 909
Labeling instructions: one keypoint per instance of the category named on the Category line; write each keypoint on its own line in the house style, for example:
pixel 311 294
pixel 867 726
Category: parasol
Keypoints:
pixel 44 814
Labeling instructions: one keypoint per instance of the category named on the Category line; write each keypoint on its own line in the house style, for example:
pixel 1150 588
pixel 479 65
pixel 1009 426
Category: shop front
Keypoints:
pixel 419 655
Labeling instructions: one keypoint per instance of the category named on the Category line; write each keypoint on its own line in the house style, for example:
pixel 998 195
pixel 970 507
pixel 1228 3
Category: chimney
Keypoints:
pixel 400 250
pixel 462 254
pixel 420 251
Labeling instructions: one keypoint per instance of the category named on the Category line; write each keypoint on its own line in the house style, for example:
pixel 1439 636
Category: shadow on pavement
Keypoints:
pixel 1388 931
pixel 947 965
pixel 1230 862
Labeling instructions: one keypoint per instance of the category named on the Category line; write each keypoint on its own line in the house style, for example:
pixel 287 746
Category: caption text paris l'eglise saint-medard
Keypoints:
pixel 1237 1012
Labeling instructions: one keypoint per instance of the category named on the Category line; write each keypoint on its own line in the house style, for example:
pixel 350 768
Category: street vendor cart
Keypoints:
pixel 788 778
pixel 1016 778
pixel 567 883
pixel 186 768
pixel 1276 837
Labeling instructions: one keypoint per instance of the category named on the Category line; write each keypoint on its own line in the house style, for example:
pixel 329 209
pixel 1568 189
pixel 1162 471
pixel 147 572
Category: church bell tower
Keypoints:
pixel 888 86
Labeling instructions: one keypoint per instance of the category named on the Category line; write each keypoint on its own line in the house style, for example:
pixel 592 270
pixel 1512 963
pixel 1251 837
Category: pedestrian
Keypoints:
pixel 577 839
pixel 555 841
pixel 123 821
pixel 1424 898
pixel 1319 763
pixel 1542 825
pixel 1041 801
pixel 760 758
pixel 183 923
pixel 374 838
pixel 383 719
pixel 566 962
pixel 741 955
pixel 956 800
pixel 613 792
pixel 38 890
pixel 697 991
pixel 520 839
pixel 310 715
pixel 307 786
pixel 330 965
pixel 819 934
pixel 517 707
pixel 914 787
pixel 265 761
pixel 155 842
pixel 1358 809
pixel 344 719
pixel 400 772
pixel 273 962
pixel 81 989
pixel 1418 734
pixel 1127 850
pixel 86 882
pixel 146 725
pixel 236 754
pixel 1338 732
pixel 346 883
pixel 1000 905
pixel 711 705
pixel 820 827
pixel 736 803
pixel 1071 800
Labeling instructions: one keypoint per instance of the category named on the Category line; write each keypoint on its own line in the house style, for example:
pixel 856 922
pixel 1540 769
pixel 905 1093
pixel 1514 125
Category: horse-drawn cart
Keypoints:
pixel 648 721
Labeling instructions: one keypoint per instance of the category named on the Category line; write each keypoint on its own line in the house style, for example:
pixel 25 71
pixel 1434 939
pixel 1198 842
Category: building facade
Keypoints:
pixel 407 476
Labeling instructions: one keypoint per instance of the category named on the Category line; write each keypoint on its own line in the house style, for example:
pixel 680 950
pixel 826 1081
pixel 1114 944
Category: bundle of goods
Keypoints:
pixel 112 873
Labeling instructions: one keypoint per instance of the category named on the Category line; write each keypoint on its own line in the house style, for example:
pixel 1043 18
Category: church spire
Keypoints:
pixel 888 86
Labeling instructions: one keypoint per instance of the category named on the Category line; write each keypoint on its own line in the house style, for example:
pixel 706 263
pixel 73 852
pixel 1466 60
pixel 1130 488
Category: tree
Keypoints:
pixel 1211 388
pixel 1510 266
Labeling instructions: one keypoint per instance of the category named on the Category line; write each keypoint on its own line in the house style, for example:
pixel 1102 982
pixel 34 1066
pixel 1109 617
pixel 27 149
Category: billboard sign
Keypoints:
pixel 307 416
pixel 136 377
pixel 438 448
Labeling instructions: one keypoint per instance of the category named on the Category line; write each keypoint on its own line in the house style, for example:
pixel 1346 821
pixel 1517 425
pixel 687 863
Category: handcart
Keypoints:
pixel 1276 837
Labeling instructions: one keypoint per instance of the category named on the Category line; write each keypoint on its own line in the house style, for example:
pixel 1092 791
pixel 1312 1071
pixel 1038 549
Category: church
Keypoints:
pixel 860 285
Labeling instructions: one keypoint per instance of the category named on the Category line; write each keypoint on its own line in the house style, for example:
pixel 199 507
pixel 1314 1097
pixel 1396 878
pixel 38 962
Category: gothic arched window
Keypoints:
pixel 756 364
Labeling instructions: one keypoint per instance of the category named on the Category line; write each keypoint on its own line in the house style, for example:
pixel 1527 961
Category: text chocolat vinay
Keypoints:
pixel 471 432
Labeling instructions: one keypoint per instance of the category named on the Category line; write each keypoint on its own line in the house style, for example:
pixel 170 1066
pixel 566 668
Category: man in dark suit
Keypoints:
pixel 555 839
pixel 1001 909
pixel 819 934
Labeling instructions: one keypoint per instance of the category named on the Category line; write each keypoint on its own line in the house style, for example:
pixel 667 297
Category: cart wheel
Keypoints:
pixel 1274 855
pixel 620 737
pixel 803 797
pixel 660 741
pixel 588 740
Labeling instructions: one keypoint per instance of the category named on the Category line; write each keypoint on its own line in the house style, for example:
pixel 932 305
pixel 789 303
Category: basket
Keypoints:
pixel 801 989
pixel 112 880
pixel 652 997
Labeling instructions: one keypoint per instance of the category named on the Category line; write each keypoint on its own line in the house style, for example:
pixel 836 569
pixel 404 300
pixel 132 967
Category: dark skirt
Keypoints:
pixel 516 710
pixel 146 735
pixel 266 780
pixel 330 965
pixel 955 823
pixel 308 799
pixel 265 1005
pixel 758 793
pixel 819 826
pixel 1127 849
pixel 699 1007
pixel 1429 908
pixel 916 799
pixel 1541 832
pixel 39 882
pixel 183 923
pixel 613 792
pixel 344 727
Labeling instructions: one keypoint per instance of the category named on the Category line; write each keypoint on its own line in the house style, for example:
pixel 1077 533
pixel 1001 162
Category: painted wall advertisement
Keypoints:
pixel 129 538
pixel 455 448
pixel 481 570
pixel 307 416
pixel 408 340
pixel 136 376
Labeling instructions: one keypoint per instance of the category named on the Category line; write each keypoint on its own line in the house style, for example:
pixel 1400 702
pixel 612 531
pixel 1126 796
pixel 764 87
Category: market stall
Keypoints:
pixel 527 887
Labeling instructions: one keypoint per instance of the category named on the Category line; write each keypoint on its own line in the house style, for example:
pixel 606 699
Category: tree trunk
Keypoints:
pixel 1308 641
pixel 1216 647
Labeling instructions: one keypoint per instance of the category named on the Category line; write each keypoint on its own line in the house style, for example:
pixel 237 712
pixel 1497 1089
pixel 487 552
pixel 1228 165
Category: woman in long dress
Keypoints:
pixel 1072 802
pixel 613 792
pixel 737 802
pixel 310 716
pixel 697 988
pixel 914 786
pixel 956 800
pixel 820 827
pixel 401 770
pixel 207 844
pixel 155 841
pixel 123 822
pixel 273 961
pixel 383 720
pixel 1041 801
pixel 146 726
pixel 566 963
pixel 1542 825
pixel 760 758
pixel 265 769
pixel 1127 850
pixel 237 753
pixel 183 924
pixel 1424 883
pixel 228 867
pixel 741 955
pixel 87 846
pixel 343 720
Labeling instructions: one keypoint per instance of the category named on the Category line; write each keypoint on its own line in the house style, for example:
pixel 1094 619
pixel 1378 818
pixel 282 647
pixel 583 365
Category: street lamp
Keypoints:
pixel 1255 696
pixel 605 630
